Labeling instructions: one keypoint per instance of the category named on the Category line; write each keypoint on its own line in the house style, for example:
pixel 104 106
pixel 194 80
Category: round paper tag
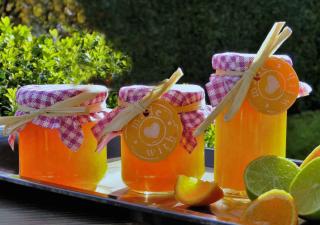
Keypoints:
pixel 154 134
pixel 275 87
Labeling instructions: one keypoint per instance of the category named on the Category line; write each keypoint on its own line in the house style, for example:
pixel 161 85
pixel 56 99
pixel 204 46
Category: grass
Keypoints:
pixel 303 134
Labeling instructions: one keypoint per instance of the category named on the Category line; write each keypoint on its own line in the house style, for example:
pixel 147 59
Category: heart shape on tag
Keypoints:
pixel 272 85
pixel 152 131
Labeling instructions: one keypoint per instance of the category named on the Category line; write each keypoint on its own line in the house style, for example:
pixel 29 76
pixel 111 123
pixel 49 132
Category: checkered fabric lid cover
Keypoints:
pixel 42 96
pixel 179 95
pixel 233 61
pixel 219 86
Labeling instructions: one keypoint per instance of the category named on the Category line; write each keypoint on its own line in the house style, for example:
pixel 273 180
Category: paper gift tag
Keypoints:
pixel 154 134
pixel 274 88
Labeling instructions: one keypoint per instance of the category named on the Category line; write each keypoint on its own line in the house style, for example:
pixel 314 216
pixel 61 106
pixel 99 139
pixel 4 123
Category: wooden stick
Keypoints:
pixel 132 110
pixel 237 94
pixel 220 107
pixel 263 53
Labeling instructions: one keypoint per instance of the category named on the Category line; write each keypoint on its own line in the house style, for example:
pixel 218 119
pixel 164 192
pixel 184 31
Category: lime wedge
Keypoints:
pixel 269 172
pixel 305 189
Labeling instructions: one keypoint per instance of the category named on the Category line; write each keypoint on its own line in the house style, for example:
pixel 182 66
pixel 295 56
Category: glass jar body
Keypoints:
pixel 159 177
pixel 43 157
pixel 249 135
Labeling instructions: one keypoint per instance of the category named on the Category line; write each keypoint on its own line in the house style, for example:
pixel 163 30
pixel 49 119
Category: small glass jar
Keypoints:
pixel 51 148
pixel 250 133
pixel 157 145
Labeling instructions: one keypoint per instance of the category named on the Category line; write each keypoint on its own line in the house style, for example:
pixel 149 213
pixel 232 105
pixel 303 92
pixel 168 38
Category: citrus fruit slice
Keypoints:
pixel 268 172
pixel 194 192
pixel 274 207
pixel 314 154
pixel 305 189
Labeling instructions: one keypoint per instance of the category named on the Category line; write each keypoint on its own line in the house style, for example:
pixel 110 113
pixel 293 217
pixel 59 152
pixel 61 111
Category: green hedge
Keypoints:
pixel 159 36
pixel 162 35
pixel 50 59
pixel 303 134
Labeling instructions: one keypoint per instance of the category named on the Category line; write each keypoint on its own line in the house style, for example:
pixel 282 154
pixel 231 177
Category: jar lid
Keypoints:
pixel 233 61
pixel 41 96
pixel 179 94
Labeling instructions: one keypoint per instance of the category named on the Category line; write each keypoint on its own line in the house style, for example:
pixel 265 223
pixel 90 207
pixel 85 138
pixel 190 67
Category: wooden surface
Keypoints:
pixel 21 205
pixel 25 205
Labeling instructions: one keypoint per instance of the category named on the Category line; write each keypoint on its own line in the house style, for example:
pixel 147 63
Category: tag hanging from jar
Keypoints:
pixel 155 133
pixel 234 99
pixel 274 88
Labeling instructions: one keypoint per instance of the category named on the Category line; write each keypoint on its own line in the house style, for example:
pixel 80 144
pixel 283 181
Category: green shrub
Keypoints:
pixel 303 134
pixel 50 59
pixel 43 15
pixel 209 137
pixel 161 35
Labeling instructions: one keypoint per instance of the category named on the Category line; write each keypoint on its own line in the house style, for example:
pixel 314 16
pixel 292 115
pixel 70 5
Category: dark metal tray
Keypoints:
pixel 112 191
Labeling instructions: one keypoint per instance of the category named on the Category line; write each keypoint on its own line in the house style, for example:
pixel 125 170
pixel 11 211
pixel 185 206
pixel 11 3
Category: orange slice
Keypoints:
pixel 194 192
pixel 275 207
pixel 314 154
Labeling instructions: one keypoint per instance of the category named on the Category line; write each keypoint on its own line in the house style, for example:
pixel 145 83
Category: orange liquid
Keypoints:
pixel 145 176
pixel 248 135
pixel 44 157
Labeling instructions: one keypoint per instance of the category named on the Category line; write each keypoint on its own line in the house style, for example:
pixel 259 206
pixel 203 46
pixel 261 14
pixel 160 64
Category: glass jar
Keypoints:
pixel 250 133
pixel 61 149
pixel 157 145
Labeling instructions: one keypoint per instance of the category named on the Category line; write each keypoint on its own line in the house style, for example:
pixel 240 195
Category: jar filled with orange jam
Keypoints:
pixel 157 145
pixel 56 144
pixel 257 129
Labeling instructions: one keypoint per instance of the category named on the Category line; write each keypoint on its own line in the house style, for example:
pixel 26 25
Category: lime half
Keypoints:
pixel 269 172
pixel 305 189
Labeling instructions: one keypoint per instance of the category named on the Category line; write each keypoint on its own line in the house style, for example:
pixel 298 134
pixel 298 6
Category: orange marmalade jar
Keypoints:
pixel 157 145
pixel 57 145
pixel 250 133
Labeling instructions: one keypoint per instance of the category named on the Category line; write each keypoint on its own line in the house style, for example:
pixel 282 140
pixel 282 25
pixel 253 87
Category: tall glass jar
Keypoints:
pixel 250 133
pixel 61 149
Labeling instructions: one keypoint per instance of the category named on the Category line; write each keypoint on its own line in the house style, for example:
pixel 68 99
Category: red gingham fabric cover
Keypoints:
pixel 177 97
pixel 218 86
pixel 233 61
pixel 42 96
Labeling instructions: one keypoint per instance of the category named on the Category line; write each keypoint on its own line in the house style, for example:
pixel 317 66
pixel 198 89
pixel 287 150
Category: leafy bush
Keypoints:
pixel 43 15
pixel 50 59
pixel 303 134
pixel 210 136
pixel 161 35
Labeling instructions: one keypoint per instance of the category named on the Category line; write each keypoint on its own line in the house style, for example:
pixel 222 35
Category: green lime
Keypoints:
pixel 305 189
pixel 269 172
